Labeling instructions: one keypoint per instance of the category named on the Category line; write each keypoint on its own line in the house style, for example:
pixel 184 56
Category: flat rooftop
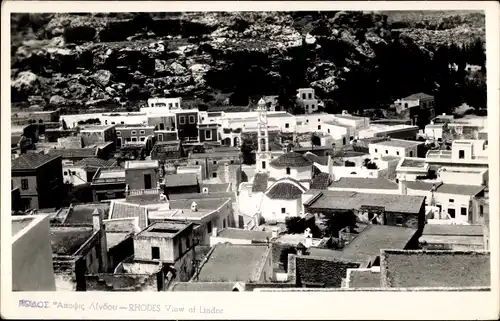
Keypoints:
pixel 96 128
pixel 20 222
pixel 164 229
pixel 470 190
pixel 141 164
pixel 82 213
pixel 398 143
pixel 229 262
pixel 364 183
pixel 108 173
pixel 353 200
pixel 453 229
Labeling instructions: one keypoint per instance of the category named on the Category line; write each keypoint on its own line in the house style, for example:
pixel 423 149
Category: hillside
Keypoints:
pixel 79 61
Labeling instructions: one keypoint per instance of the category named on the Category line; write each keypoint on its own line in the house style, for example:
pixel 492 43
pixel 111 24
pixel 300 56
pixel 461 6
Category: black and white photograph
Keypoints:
pixel 248 151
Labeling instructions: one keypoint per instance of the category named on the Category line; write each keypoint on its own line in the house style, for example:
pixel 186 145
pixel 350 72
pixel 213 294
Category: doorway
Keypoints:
pixel 147 181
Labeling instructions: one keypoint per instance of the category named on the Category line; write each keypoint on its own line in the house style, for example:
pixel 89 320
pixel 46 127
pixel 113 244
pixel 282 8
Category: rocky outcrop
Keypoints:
pixel 83 60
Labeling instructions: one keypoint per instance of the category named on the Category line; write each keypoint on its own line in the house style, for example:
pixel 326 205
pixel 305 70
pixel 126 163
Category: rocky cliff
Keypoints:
pixel 81 61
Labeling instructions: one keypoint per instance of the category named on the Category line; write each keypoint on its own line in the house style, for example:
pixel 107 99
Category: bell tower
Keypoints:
pixel 263 154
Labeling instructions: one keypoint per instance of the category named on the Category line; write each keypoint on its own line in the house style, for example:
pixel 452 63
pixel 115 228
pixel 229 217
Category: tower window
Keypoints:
pixel 263 165
pixel 288 171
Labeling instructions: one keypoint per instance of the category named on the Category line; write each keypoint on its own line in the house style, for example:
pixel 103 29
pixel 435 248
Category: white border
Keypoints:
pixel 247 305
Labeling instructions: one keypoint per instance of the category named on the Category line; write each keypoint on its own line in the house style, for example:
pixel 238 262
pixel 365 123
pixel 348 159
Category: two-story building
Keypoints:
pixel 40 179
pixel 463 153
pixel 134 134
pixel 307 100
pixel 212 161
pixel 186 121
pixel 419 107
pixel 142 175
pixel 98 134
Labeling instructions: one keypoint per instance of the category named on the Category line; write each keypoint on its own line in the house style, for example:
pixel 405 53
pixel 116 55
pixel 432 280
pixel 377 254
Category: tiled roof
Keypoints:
pixel 421 186
pixel 260 182
pixel 418 96
pixel 322 272
pixel 67 240
pixel 124 210
pixel 460 189
pixel 31 161
pixel 359 258
pixel 322 160
pixel 203 286
pixel 320 181
pixel 453 229
pixel 187 179
pixel 364 183
pixel 363 278
pixel 74 152
pixel 353 200
pixel 284 189
pixel 240 234
pixel 377 237
pixel 412 162
pixel 291 159
pixel 96 162
pixel 229 262
pixel 435 269
pixel 398 143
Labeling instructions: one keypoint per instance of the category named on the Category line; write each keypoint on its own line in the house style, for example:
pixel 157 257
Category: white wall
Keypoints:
pixel 459 201
pixel 342 171
pixel 272 208
pixel 366 190
pixel 433 131
pixel 217 239
pixel 192 169
pixel 458 176
pixel 384 150
pixel 32 268
pixel 298 173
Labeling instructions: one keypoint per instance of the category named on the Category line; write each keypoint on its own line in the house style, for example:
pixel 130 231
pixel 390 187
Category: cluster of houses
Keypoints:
pixel 163 200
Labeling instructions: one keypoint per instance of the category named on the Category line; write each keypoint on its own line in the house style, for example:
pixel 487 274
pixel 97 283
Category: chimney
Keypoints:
pixel 309 242
pixel 402 185
pixel 96 220
pixel 214 232
pixel 275 233
pixel 194 207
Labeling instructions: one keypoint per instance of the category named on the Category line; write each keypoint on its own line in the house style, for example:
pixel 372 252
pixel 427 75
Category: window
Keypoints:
pixel 399 220
pixel 386 151
pixel 112 123
pixel 142 138
pixel 197 163
pixel 307 120
pixel 215 162
pixel 463 211
pixel 128 139
pixel 328 130
pixel 370 216
pixel 411 153
pixel 319 120
pixel 209 227
pixel 162 126
pixel 134 139
pixel 65 173
pixel 288 170
pixel 312 106
pixel 481 210
pixel 224 223
pixel 451 200
pixel 182 120
pixel 303 96
pixel 176 105
pixel 461 154
pixel 406 105
pixel 232 161
pixel 122 122
pixel 283 210
pixel 307 106
pixel 287 125
pixel 208 134
pixel 376 151
pixel 397 153
pixel 310 96
pixel 155 253
pixel 134 132
pixel 160 137
pixel 263 165
pixel 142 132
pixel 169 105
pixel 73 173
pixel 214 175
pixel 451 212
pixel 440 208
pixel 319 127
pixel 118 133
pixel 192 119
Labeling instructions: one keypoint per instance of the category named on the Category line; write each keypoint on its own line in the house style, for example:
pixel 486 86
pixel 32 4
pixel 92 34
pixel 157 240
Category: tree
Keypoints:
pixel 247 152
pixel 338 221
pixel 369 164
pixel 294 225
pixel 284 256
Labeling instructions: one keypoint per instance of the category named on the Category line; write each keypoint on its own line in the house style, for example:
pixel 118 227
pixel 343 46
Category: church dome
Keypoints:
pixel 291 159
